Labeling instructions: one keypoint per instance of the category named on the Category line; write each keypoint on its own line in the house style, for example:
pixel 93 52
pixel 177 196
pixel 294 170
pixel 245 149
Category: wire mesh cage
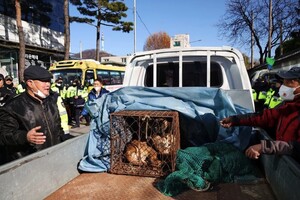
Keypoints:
pixel 144 143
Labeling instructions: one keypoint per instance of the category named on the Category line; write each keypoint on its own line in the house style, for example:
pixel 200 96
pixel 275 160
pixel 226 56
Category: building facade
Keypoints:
pixel 43 25
pixel 180 40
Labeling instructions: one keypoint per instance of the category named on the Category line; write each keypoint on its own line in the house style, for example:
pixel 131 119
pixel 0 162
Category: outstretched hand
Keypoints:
pixel 35 137
pixel 226 122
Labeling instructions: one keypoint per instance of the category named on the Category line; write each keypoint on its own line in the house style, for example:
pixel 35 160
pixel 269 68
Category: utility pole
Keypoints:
pixel 102 41
pixel 270 28
pixel 98 33
pixel 98 38
pixel 134 14
pixel 252 39
pixel 80 53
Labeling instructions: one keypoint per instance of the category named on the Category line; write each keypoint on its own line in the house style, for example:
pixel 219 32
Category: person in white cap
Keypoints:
pixel 283 121
pixel 30 122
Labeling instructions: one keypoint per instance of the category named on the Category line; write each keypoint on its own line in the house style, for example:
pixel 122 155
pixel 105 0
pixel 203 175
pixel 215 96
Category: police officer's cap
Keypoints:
pixel 8 77
pixel 37 73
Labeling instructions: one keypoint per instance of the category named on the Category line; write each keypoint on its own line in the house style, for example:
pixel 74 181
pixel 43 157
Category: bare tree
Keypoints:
pixel 158 40
pixel 237 24
pixel 21 40
pixel 67 30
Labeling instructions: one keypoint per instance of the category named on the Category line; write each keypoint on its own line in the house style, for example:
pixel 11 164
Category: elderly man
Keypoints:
pixel 30 122
pixel 283 120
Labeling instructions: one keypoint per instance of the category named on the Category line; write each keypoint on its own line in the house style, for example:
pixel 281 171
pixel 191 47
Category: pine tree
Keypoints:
pixel 103 12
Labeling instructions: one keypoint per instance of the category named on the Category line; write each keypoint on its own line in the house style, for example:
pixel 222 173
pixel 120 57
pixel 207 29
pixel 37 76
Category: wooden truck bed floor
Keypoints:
pixel 108 186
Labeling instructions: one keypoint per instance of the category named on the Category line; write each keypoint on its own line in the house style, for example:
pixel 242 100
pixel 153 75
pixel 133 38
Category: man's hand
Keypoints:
pixel 253 151
pixel 35 137
pixel 226 122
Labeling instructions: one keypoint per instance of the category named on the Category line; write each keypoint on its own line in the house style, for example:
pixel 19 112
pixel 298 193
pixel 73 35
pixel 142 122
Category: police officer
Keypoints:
pixel 21 87
pixel 76 95
pixel 57 87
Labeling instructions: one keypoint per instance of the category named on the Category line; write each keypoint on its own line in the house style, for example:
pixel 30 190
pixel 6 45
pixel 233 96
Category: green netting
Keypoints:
pixel 198 167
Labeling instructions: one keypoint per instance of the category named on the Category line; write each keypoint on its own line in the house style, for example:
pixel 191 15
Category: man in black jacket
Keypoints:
pixel 30 122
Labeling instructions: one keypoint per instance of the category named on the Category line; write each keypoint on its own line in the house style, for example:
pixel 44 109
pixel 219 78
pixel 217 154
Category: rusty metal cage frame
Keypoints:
pixel 123 133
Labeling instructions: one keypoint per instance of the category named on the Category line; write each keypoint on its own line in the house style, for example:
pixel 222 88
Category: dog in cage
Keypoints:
pixel 157 138
pixel 163 144
pixel 139 153
pixel 162 138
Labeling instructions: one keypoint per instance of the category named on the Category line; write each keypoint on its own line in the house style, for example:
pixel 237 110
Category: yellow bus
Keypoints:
pixel 87 71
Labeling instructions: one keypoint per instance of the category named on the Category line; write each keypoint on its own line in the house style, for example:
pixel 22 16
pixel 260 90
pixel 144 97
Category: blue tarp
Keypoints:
pixel 200 111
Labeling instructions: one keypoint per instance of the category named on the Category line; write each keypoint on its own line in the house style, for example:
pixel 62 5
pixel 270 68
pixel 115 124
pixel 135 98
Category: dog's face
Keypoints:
pixel 163 143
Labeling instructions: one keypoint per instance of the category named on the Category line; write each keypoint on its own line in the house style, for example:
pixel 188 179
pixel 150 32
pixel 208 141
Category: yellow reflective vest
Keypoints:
pixel 63 115
pixel 254 95
pixel 270 94
pixel 62 92
pixel 262 95
pixel 275 101
pixel 20 89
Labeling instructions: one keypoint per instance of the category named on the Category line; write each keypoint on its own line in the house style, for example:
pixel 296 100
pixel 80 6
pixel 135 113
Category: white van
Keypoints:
pixel 220 67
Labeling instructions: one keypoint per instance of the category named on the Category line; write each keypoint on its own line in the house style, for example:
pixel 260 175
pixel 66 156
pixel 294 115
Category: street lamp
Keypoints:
pixel 195 41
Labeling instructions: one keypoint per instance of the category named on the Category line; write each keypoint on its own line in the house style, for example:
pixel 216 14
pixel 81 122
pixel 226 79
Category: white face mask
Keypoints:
pixel 97 89
pixel 38 94
pixel 287 93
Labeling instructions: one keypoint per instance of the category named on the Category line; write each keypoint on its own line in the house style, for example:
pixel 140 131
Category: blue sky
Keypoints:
pixel 198 18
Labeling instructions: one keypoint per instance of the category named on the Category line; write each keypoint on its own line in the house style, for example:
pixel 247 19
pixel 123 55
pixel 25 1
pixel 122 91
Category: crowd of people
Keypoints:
pixel 74 98
pixel 265 93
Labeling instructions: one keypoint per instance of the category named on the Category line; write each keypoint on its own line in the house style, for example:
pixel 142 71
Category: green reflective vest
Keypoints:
pixel 270 94
pixel 254 95
pixel 262 95
pixel 62 93
pixel 275 101
pixel 73 91
pixel 20 89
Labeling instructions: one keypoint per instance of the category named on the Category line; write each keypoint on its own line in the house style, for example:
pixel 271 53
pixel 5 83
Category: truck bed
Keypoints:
pixel 112 186
pixel 52 174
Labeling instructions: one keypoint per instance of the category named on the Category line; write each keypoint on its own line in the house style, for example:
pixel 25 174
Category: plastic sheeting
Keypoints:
pixel 200 110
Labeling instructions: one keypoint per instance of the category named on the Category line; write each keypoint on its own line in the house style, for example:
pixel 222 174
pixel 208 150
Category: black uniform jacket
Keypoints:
pixel 19 116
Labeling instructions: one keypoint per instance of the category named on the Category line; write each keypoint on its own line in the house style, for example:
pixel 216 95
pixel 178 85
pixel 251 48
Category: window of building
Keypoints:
pixel 46 13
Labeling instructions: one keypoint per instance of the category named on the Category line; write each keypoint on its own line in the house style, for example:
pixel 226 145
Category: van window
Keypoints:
pixel 116 78
pixel 194 74
pixel 68 75
pixel 111 77
pixel 104 75
pixel 89 78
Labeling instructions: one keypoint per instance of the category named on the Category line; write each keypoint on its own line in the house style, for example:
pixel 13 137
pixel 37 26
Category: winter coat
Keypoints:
pixel 93 95
pixel 283 120
pixel 22 114
pixel 286 119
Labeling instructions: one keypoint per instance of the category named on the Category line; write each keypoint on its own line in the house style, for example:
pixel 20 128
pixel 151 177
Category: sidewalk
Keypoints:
pixel 83 129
